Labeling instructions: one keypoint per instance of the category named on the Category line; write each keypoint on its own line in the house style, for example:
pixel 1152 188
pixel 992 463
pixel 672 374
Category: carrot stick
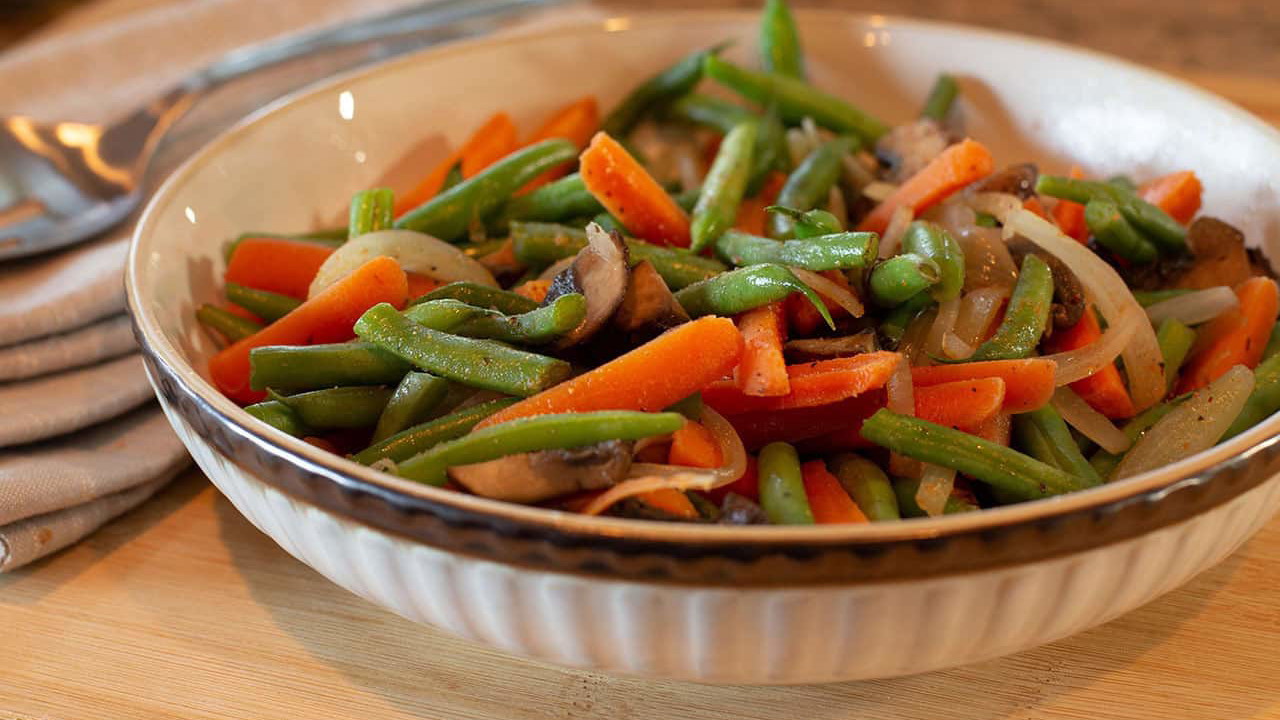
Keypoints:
pixel 671 501
pixel 238 311
pixel 277 265
pixel 493 141
pixel 1070 215
pixel 420 285
pixel 1028 384
pixel 762 370
pixel 478 146
pixel 655 375
pixel 325 318
pixel 575 122
pixel 747 485
pixel 694 446
pixel 1034 205
pixel 817 383
pixel 1177 194
pixel 827 497
pixel 956 167
pixel 760 428
pixel 752 216
pixel 801 314
pixel 1236 337
pixel 1104 390
pixel 630 193
pixel 962 403
pixel 535 290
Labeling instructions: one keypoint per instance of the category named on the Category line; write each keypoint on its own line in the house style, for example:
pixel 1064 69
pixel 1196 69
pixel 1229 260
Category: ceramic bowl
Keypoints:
pixel 705 603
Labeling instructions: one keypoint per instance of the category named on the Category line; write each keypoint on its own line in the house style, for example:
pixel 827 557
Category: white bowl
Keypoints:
pixel 706 603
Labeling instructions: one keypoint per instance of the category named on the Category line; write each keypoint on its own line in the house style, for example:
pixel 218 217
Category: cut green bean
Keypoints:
pixel 740 290
pixel 809 223
pixel 1175 341
pixel 1147 298
pixel 417 395
pixel 841 251
pixel 267 305
pixel 1263 401
pixel 867 484
pixel 690 407
pixel 292 368
pixel 337 408
pixel 452 178
pixel 608 223
pixel 780 41
pixel 228 324
pixel 541 244
pixel 419 438
pixel 483 364
pixel 1273 343
pixel 658 90
pixel 536 327
pixel 1027 315
pixel 894 325
pixel 941 97
pixel 723 186
pixel 809 184
pixel 1124 182
pixel 279 416
pixel 931 241
pixel 556 201
pixel 532 434
pixel 770 151
pixel 795 99
pixel 905 490
pixel 449 215
pixel 1014 474
pixel 1045 435
pixel 1151 220
pixel 503 301
pixel 782 486
pixel 371 210
pixel 1113 231
pixel 900 278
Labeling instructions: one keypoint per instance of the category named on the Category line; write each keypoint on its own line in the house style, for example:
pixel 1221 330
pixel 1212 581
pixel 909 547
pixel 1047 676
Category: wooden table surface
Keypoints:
pixel 182 609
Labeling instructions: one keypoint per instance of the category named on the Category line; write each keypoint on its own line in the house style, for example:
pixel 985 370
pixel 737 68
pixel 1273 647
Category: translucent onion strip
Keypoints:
pixel 831 291
pixel 836 206
pixel 855 174
pixel 879 191
pixel 1194 308
pixel 955 348
pixel 943 324
pixel 936 483
pixel 892 239
pixel 900 397
pixel 987 262
pixel 913 338
pixel 978 310
pixel 1082 362
pixel 1091 423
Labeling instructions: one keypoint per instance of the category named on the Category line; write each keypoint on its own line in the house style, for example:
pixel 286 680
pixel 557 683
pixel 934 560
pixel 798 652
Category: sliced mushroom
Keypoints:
pixel 908 148
pixel 648 303
pixel 738 510
pixel 536 476
pixel 820 348
pixel 1068 293
pixel 1221 258
pixel 599 272
pixel 1017 180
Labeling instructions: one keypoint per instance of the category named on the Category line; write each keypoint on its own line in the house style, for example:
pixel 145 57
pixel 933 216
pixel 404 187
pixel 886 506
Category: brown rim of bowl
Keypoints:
pixel 643 550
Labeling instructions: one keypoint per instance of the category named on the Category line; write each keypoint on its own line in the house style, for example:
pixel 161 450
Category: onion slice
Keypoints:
pixel 936 483
pixel 415 252
pixel 900 397
pixel 978 309
pixel 1194 308
pixel 879 191
pixel 1091 423
pixel 943 325
pixel 1073 365
pixel 831 291
pixel 897 227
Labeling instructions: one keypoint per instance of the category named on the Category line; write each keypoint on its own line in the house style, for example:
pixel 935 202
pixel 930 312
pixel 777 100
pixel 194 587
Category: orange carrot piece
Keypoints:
pixel 1070 215
pixel 801 314
pixel 428 187
pixel 694 446
pixel 997 430
pixel 493 141
pixel 575 122
pixel 322 443
pixel 747 485
pixel 630 193
pixel 668 368
pixel 817 383
pixel 760 428
pixel 535 290
pixel 752 216
pixel 1176 193
pixel 1104 390
pixel 238 311
pixel 325 318
pixel 762 370
pixel 672 501
pixel 957 166
pixel 828 499
pixel 1236 337
pixel 277 265
pixel 420 285
pixel 1034 205
pixel 1028 384
pixel 962 403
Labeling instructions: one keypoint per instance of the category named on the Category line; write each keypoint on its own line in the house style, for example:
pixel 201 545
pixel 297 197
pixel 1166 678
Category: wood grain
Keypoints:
pixel 183 609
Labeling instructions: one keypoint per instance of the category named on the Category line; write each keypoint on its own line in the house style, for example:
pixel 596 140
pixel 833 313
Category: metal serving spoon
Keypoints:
pixel 64 182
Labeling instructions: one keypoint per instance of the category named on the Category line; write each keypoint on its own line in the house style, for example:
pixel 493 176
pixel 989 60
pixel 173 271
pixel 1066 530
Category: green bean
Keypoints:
pixel 339 407
pixel 417 395
pixel 1151 220
pixel 985 219
pixel 687 199
pixel 1263 401
pixel 608 223
pixel 478 363
pixel 328 238
pixel 1113 231
pixel 371 210
pixel 809 184
pixel 658 90
pixel 931 241
pixel 941 97
pixel 1124 182
pixel 453 177
pixel 809 223
pixel 840 251
pixel 894 325
pixel 1025 319
pixel 532 434
pixel 311 367
pixel 1147 298
pixel 723 186
pixel 1013 473
pixel 267 305
pixel 782 486
pixel 780 41
pixel 229 325
pixel 279 416
pixel 711 111
pixel 690 407
pixel 503 301
pixel 541 244
pixel 535 327
pixel 1045 435
pixel 556 201
pixel 905 489
pixel 867 484
pixel 1175 341
pixel 1273 343
pixel 795 99
pixel 419 438
pixel 449 215
pixel 745 288
pixel 900 278
pixel 770 150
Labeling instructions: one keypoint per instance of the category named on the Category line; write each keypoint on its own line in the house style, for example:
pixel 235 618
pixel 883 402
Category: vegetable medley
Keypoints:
pixel 774 308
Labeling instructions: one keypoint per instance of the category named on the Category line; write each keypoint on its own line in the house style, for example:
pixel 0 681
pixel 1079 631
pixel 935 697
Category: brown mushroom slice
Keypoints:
pixel 599 272
pixel 906 149
pixel 648 303
pixel 1220 256
pixel 1017 180
pixel 821 348
pixel 536 476
pixel 1068 293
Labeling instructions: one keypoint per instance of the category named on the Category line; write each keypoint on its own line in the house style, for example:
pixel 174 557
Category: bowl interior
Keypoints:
pixel 295 166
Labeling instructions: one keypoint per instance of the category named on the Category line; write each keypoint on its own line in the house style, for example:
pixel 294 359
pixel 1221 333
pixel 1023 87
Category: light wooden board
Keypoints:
pixel 183 609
